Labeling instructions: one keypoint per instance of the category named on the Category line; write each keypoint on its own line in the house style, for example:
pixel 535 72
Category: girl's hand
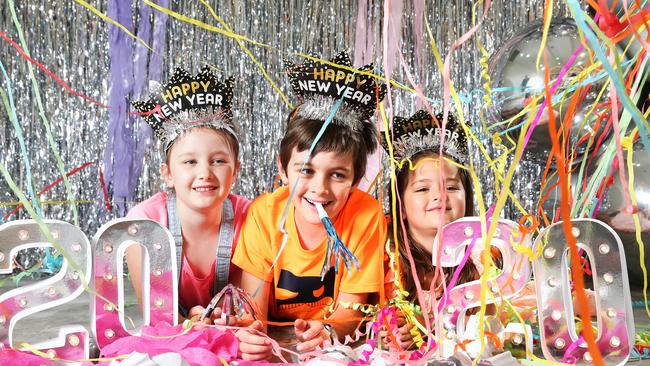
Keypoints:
pixel 403 337
pixel 195 313
pixel 215 317
pixel 253 346
pixel 310 334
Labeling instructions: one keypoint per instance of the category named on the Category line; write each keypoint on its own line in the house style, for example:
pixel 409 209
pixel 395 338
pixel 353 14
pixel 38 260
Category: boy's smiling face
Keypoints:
pixel 327 178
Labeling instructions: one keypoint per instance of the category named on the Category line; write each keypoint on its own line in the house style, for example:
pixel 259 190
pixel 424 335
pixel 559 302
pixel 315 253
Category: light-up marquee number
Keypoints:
pixel 55 291
pixel 513 277
pixel 613 305
pixel 159 291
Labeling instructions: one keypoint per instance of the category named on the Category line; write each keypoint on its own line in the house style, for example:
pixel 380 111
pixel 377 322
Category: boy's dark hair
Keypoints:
pixel 302 132
pixel 421 258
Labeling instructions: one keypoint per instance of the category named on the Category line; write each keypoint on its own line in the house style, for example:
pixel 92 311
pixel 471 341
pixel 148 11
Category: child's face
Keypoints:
pixel 326 178
pixel 422 198
pixel 201 169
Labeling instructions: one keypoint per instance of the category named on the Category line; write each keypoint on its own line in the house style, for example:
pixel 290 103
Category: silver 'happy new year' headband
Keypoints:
pixel 421 132
pixel 188 101
pixel 321 86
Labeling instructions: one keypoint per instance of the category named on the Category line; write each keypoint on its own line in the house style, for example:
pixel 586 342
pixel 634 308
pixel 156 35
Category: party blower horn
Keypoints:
pixel 235 303
pixel 335 247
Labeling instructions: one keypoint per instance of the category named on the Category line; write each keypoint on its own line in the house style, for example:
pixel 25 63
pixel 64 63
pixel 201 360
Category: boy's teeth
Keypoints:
pixel 314 202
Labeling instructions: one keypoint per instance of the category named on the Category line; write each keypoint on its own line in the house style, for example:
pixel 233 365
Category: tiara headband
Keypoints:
pixel 320 86
pixel 188 101
pixel 421 132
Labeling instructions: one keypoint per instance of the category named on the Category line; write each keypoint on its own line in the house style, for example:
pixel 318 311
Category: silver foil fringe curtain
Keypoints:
pixel 73 43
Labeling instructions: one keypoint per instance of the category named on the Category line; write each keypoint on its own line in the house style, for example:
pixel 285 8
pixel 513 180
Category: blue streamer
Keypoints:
pixel 614 76
pixel 283 220
pixel 335 247
pixel 21 142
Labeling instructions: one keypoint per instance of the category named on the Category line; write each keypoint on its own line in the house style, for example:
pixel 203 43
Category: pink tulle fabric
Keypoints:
pixel 10 357
pixel 198 347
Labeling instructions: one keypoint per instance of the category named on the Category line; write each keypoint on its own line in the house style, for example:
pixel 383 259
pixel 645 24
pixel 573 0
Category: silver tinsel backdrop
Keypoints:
pixel 73 43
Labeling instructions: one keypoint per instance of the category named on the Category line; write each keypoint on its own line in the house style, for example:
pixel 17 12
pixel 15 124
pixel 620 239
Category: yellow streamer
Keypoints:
pixel 248 52
pixel 627 143
pixel 48 234
pixel 236 36
pixel 548 15
pixel 42 114
pixel 484 63
pixel 112 21
pixel 37 352
pixel 458 104
pixel 47 202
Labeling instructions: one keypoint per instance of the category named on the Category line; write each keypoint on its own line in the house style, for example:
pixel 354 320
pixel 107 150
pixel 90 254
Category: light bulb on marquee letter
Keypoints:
pixel 56 291
pixel 514 275
pixel 160 289
pixel 615 335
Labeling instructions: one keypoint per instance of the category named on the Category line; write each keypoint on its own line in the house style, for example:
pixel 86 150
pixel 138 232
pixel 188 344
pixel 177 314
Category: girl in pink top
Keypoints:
pixel 201 163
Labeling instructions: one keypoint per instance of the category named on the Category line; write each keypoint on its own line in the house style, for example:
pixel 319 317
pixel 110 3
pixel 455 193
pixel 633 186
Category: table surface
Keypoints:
pixel 45 324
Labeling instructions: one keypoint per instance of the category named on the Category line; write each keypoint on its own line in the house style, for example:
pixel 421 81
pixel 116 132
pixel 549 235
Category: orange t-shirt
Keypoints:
pixel 297 290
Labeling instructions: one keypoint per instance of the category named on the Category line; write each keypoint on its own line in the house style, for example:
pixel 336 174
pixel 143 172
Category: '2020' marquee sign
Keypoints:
pixel 100 267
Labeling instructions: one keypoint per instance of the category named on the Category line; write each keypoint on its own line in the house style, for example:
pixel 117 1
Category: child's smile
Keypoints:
pixel 201 169
pixel 429 203
pixel 326 179
pixel 323 203
pixel 205 188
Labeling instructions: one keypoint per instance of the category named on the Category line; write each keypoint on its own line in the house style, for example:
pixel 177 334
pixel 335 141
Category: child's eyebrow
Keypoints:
pixel 423 180
pixel 447 180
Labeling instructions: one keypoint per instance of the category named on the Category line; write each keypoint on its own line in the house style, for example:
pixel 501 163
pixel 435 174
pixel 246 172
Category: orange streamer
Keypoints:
pixel 576 270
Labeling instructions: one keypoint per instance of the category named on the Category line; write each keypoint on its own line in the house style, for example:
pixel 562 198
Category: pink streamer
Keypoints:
pixel 418 286
pixel 363 53
pixel 388 73
pixel 392 21
pixel 568 358
pixel 360 37
pixel 446 82
pixel 558 80
pixel 418 12
pixel 459 268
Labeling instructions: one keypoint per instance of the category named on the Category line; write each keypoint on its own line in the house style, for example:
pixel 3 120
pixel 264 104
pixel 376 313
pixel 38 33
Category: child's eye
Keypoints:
pixel 219 161
pixel 422 189
pixel 337 175
pixel 190 161
pixel 306 171
pixel 453 188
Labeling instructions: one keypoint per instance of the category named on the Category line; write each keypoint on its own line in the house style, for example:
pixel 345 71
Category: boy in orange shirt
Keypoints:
pixel 283 247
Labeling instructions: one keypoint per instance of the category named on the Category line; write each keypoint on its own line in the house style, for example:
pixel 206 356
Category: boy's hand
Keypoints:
pixel 252 346
pixel 310 334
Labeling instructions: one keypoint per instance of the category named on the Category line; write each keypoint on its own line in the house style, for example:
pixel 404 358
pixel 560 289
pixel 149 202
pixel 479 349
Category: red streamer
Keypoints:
pixel 58 181
pixel 48 72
